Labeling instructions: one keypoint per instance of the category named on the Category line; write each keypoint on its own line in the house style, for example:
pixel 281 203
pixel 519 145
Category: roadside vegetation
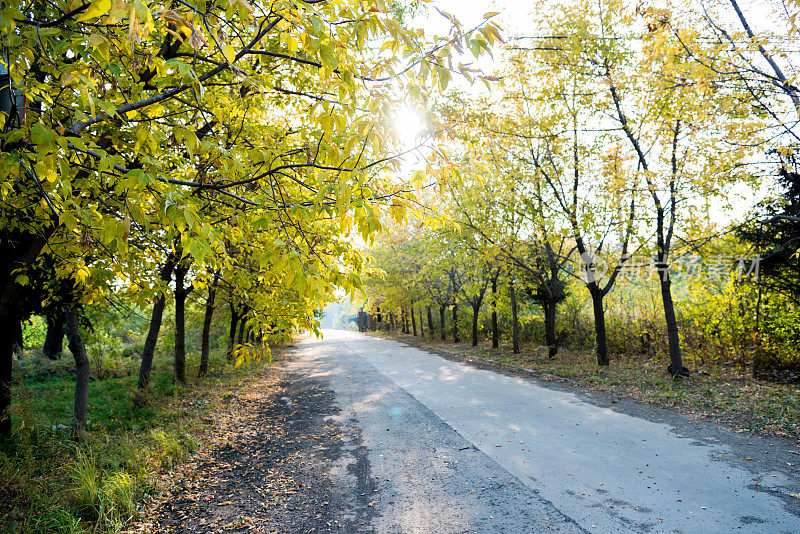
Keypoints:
pixel 100 479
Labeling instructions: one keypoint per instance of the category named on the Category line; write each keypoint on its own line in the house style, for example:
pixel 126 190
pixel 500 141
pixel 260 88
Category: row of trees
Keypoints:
pixel 618 132
pixel 226 148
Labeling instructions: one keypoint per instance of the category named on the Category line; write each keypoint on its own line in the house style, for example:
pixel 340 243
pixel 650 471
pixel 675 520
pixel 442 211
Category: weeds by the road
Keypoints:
pixel 52 481
pixel 726 392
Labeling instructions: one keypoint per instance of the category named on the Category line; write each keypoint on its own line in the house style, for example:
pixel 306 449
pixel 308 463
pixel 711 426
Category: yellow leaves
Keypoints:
pixel 248 353
pixel 119 10
pixel 81 273
pixel 418 179
pixel 97 9
pixel 229 52
pixel 96 39
pixel 492 33
pixel 46 168
pixel 134 27
pixel 299 282
pixel 327 125
pixel 398 211
pixel 345 223
pixel 443 76
pixel 328 56
pixel 188 137
pixel 290 42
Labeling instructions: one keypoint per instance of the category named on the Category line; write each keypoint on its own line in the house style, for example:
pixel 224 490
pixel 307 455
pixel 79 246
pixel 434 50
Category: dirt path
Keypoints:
pixel 264 469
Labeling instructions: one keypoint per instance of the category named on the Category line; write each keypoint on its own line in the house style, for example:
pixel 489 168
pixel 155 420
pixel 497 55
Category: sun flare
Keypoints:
pixel 408 126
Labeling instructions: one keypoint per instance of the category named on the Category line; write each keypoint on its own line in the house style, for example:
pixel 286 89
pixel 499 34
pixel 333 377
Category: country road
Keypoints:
pixel 432 445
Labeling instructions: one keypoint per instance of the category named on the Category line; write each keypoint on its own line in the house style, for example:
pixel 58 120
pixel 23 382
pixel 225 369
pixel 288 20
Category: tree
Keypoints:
pixel 207 318
pixel 775 234
pixel 755 60
pixel 181 292
pixel 475 282
pixel 159 303
pixel 551 115
pixel 78 350
pixel 520 225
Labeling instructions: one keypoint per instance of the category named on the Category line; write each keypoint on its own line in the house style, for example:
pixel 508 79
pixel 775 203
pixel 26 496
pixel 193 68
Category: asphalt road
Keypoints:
pixel 432 445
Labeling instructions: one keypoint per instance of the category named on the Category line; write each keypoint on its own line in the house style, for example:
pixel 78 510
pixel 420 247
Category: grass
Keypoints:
pixel 726 392
pixel 52 481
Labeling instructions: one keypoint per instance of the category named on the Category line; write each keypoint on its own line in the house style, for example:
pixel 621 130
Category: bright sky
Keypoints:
pixel 516 16
pixel 470 12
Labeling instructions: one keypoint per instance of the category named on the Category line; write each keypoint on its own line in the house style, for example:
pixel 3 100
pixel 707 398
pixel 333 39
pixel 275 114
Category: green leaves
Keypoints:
pixel 41 135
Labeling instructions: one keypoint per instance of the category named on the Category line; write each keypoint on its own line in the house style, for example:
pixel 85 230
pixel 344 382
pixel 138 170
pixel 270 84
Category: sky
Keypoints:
pixel 516 16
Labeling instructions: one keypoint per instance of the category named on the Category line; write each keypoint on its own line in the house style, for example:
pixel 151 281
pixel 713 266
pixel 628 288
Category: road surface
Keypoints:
pixel 432 445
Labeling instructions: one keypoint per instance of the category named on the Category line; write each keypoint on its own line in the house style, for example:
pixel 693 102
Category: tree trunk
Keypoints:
pixel 242 323
pixel 455 323
pixel 601 346
pixel 6 364
pixel 19 340
pixel 232 332
pixel 514 319
pixel 421 326
pixel 550 329
pixel 78 350
pixel 17 253
pixel 155 326
pixel 675 367
pixel 441 322
pixel 475 311
pixel 430 321
pixel 413 322
pixel 53 339
pixel 495 331
pixel 180 322
pixel 209 315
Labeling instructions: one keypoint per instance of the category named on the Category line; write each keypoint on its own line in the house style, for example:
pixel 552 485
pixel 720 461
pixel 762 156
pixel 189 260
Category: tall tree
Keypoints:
pixel 207 318
pixel 553 111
